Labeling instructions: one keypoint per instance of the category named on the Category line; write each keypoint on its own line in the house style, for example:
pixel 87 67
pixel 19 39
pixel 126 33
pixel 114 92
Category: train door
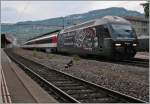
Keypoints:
pixel 60 43
pixel 100 35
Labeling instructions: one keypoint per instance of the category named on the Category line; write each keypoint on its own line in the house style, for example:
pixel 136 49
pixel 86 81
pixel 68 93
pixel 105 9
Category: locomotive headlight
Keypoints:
pixel 117 44
pixel 134 45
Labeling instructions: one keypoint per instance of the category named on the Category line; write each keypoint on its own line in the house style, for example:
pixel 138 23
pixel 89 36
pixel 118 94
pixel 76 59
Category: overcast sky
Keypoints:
pixel 15 11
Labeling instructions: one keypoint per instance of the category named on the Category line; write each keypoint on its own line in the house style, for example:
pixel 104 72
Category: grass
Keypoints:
pixel 34 53
pixel 50 56
pixel 76 58
pixel 17 50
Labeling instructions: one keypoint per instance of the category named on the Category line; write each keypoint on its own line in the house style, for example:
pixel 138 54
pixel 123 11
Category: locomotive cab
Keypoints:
pixel 124 40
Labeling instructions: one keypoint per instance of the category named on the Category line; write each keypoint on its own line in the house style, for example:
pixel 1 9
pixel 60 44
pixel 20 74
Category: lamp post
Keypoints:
pixel 63 22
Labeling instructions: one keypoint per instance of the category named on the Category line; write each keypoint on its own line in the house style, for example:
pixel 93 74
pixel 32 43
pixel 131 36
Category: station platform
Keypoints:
pixel 17 87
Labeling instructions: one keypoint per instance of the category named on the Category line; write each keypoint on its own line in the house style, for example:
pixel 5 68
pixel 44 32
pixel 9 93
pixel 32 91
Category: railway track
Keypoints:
pixel 67 88
pixel 138 59
pixel 132 62
pixel 137 62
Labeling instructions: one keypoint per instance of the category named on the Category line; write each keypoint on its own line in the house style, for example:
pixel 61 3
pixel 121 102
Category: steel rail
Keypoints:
pixel 136 63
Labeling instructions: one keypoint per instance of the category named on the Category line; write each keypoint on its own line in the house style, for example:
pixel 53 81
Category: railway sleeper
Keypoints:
pixel 46 74
pixel 53 76
pixel 72 87
pixel 53 93
pixel 62 82
pixel 91 95
pixel 68 85
pixel 57 80
pixel 100 100
pixel 71 92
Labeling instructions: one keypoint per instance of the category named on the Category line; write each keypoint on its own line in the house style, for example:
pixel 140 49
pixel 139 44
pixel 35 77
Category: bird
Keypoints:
pixel 69 64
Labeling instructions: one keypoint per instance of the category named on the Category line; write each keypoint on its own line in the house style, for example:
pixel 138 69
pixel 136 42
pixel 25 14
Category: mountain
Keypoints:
pixel 28 29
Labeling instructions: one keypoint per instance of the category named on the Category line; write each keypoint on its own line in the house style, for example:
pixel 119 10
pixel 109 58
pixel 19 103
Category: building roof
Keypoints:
pixel 7 37
pixel 140 19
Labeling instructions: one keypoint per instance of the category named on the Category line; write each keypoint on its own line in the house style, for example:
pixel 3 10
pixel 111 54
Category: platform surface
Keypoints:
pixel 21 87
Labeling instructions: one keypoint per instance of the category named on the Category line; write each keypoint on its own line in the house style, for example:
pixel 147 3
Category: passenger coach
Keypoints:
pixel 46 42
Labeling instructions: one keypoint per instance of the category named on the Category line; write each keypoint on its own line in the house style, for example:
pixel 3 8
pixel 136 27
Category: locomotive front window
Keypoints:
pixel 122 31
pixel 121 27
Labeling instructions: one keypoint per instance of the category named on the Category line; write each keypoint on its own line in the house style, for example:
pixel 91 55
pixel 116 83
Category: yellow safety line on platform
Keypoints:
pixel 5 93
pixel 0 84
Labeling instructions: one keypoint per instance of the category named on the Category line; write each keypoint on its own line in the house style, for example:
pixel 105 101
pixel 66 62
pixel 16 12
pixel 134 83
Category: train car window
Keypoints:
pixel 61 40
pixel 122 31
pixel 100 33
pixel 95 42
pixel 106 33
pixel 68 38
pixel 44 41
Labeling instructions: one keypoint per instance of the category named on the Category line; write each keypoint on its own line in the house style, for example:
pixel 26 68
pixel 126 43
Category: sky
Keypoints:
pixel 16 11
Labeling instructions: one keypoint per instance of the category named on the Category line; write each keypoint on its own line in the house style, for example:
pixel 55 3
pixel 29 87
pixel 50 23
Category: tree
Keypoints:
pixel 146 9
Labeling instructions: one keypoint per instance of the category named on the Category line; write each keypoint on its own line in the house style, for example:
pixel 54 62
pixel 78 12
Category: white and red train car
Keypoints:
pixel 46 42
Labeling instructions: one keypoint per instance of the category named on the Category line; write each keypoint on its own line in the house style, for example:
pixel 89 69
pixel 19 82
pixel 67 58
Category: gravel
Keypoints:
pixel 142 55
pixel 130 80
